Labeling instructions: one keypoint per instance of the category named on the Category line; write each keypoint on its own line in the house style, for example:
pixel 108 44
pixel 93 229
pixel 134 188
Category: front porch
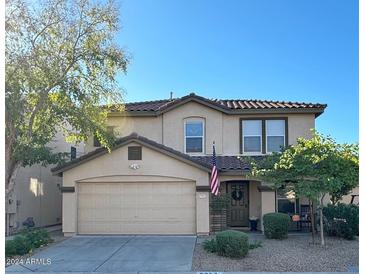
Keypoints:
pixel 242 200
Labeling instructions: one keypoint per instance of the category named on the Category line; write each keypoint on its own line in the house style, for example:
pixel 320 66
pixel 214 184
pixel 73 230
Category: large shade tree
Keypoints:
pixel 61 65
pixel 313 168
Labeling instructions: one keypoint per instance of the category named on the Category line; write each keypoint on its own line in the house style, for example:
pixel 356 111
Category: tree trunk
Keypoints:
pixel 321 220
pixel 312 219
pixel 11 170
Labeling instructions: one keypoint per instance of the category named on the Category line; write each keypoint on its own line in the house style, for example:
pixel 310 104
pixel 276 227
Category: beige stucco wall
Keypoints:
pixel 173 126
pixel 268 204
pixel 224 129
pixel 116 164
pixel 299 125
pixel 149 127
pixel 38 196
pixel 37 192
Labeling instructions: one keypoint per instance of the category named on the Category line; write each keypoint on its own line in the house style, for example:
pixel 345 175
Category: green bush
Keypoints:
pixel 210 245
pixel 27 240
pixel 22 246
pixel 10 249
pixel 341 220
pixel 276 225
pixel 232 244
pixel 36 237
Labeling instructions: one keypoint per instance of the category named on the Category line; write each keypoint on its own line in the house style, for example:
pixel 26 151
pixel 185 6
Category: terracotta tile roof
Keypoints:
pixel 230 106
pixel 148 105
pixel 226 163
pixel 265 104
pixel 123 141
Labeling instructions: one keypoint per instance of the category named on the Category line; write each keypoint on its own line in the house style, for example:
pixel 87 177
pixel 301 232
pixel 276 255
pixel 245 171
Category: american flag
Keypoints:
pixel 214 181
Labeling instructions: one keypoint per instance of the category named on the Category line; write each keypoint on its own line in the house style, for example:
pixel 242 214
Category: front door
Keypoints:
pixel 238 192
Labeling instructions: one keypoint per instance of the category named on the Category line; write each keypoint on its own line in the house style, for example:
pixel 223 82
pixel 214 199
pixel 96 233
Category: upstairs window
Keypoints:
pixel 194 136
pixel 252 136
pixel 275 135
pixel 263 136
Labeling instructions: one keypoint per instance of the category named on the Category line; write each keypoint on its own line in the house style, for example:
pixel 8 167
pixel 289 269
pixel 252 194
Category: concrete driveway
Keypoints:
pixel 114 254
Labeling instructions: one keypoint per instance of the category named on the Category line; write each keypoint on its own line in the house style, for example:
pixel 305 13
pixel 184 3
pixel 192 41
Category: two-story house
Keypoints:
pixel 156 179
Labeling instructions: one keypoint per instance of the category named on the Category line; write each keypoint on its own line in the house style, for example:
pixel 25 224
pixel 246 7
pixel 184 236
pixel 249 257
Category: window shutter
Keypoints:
pixel 134 153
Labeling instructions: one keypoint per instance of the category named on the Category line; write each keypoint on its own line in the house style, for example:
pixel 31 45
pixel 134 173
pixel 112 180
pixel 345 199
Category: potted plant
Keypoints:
pixel 253 223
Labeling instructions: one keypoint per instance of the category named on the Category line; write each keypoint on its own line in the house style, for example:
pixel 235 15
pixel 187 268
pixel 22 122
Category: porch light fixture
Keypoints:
pixel 134 166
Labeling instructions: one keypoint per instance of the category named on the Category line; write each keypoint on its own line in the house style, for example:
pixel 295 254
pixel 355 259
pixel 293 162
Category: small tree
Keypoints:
pixel 312 168
pixel 61 65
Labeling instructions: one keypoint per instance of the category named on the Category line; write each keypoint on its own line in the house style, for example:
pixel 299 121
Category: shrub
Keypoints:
pixel 276 225
pixel 10 249
pixel 210 245
pixel 36 237
pixel 341 220
pixel 232 244
pixel 27 240
pixel 22 246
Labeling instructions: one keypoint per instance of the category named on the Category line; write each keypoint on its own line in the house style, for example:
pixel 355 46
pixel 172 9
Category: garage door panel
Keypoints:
pixel 136 208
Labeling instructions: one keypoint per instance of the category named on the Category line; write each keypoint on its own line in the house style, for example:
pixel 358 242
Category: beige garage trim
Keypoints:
pixel 136 208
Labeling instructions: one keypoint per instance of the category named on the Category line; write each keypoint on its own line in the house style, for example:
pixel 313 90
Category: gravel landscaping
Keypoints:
pixel 293 254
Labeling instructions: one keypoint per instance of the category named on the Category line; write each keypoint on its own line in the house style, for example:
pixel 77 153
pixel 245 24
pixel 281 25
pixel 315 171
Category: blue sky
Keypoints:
pixel 278 50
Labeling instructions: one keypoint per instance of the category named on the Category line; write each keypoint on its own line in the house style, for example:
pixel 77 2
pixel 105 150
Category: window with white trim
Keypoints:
pixel 275 135
pixel 252 136
pixel 194 136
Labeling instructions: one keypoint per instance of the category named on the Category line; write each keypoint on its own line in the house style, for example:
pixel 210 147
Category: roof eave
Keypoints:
pixel 129 139
pixel 316 111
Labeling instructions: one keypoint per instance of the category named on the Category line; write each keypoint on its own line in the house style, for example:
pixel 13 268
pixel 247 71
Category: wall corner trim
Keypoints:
pixel 203 188
pixel 265 189
pixel 67 189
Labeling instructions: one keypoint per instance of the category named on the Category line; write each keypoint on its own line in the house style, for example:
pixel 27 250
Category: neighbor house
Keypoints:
pixel 37 199
pixel 156 179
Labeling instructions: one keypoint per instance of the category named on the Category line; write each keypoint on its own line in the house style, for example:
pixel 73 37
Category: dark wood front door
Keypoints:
pixel 238 192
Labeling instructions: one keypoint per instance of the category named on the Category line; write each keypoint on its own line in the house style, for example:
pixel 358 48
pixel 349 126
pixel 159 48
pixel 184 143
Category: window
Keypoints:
pixel 252 136
pixel 194 136
pixel 275 135
pixel 286 202
pixel 263 135
pixel 134 153
pixel 73 152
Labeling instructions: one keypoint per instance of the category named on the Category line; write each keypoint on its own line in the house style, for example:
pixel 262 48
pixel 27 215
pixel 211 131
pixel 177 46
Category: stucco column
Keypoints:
pixel 268 203
pixel 202 212
pixel 69 214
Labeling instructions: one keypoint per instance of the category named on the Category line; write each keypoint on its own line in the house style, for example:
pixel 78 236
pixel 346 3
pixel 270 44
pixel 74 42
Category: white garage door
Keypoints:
pixel 136 208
